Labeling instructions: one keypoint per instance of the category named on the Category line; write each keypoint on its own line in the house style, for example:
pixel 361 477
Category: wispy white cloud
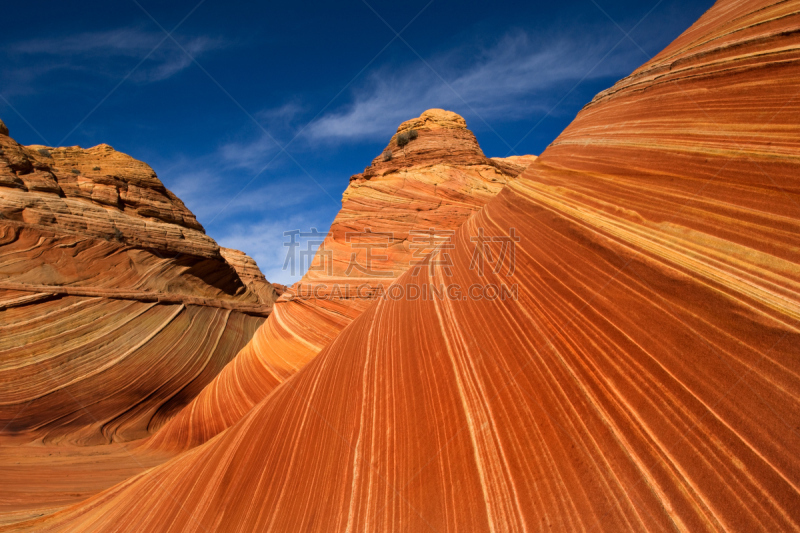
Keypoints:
pixel 254 219
pixel 282 115
pixel 509 81
pixel 100 53
pixel 512 80
pixel 207 193
pixel 122 41
pixel 252 155
pixel 234 182
pixel 265 242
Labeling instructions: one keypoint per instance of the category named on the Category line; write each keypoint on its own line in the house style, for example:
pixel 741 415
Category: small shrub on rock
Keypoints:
pixel 403 139
pixel 387 155
pixel 75 171
pixel 95 168
pixel 44 152
pixel 412 134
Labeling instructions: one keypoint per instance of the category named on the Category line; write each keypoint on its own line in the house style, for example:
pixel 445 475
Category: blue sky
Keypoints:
pixel 256 114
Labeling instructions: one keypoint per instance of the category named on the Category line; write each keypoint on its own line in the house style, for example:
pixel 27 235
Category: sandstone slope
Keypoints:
pixel 646 377
pixel 116 309
pixel 395 211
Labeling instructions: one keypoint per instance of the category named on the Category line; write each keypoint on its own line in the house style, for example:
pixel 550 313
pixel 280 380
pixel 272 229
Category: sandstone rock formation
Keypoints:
pixel 247 270
pixel 279 288
pixel 645 377
pixel 392 215
pixel 115 311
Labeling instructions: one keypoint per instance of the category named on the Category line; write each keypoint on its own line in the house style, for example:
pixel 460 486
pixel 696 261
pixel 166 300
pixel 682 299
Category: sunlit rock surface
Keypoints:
pixel 646 377
pixel 392 214
pixel 248 271
pixel 115 311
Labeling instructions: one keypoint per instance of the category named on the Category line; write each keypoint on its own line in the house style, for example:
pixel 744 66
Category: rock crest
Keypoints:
pixel 442 180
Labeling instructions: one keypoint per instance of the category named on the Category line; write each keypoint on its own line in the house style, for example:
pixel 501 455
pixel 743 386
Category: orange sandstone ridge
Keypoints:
pixel 115 311
pixel 435 182
pixel 457 181
pixel 644 379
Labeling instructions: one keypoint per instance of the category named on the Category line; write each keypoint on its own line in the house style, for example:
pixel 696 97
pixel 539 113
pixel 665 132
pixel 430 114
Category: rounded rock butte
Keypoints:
pixel 115 311
pixel 434 119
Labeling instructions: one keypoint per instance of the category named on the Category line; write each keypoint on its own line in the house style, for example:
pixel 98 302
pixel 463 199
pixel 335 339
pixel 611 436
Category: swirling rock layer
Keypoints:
pixel 102 369
pixel 96 257
pixel 115 311
pixel 392 215
pixel 644 378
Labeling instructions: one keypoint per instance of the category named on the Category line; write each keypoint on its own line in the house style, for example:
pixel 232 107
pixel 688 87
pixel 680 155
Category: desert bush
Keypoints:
pixel 413 134
pixel 44 151
pixel 403 139
pixel 75 171
pixel 95 168
pixel 387 155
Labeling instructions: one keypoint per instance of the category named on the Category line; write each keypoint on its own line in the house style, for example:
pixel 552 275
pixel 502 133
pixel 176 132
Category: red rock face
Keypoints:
pixel 115 311
pixel 247 269
pixel 436 181
pixel 101 219
pixel 644 378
